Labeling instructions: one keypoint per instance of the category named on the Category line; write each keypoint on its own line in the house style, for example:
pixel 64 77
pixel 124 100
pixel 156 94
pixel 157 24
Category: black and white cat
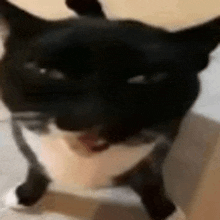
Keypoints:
pixel 113 80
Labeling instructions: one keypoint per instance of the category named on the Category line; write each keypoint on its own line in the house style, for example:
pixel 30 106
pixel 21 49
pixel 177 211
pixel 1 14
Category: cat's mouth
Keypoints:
pixel 93 143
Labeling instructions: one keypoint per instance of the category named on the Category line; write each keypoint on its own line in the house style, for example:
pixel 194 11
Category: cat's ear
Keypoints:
pixel 206 36
pixel 21 24
pixel 188 50
pixel 90 8
pixel 195 44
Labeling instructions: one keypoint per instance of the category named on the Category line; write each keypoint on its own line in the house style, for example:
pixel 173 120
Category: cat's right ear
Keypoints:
pixel 21 24
pixel 91 8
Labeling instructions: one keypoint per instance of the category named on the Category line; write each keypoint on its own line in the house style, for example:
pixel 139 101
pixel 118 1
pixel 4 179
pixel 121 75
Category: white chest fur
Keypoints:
pixel 63 160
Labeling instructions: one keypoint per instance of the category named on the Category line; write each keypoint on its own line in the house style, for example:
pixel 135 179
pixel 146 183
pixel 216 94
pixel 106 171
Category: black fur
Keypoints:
pixel 96 60
pixel 33 188
pixel 86 7
pixel 148 183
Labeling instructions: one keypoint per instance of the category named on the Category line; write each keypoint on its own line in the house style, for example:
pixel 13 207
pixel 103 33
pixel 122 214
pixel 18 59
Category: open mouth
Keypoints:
pixel 93 143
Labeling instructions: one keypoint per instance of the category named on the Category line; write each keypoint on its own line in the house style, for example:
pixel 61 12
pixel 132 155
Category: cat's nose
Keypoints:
pixel 79 123
pixel 81 114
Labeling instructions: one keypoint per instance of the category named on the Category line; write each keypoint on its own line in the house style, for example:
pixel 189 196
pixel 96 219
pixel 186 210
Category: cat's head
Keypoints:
pixel 85 73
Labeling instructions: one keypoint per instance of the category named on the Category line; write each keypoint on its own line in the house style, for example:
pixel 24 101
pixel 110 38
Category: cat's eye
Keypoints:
pixel 51 73
pixel 159 77
pixel 33 66
pixel 141 79
pixel 42 71
pixel 137 80
pixel 55 74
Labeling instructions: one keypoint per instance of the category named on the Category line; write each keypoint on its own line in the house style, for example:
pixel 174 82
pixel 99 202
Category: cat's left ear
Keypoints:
pixel 194 45
pixel 206 36
pixel 91 8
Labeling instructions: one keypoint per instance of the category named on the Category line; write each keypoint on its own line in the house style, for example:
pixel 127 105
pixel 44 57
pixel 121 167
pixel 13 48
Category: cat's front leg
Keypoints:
pixel 33 188
pixel 149 184
pixel 29 192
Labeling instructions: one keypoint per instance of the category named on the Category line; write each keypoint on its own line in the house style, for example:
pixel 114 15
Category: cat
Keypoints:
pixel 122 78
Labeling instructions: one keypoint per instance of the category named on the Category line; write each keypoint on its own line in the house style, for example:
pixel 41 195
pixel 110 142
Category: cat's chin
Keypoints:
pixel 11 200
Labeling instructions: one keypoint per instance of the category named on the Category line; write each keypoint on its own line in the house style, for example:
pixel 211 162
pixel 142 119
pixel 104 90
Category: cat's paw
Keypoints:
pixel 11 199
pixel 177 215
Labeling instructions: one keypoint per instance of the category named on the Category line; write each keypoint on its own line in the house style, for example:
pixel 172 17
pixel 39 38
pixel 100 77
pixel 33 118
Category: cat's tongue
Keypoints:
pixel 92 143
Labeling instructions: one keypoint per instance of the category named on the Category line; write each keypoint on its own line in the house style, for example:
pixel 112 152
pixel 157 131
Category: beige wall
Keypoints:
pixel 168 13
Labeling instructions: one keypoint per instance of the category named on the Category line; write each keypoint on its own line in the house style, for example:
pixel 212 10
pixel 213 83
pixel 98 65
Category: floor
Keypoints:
pixel 182 169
